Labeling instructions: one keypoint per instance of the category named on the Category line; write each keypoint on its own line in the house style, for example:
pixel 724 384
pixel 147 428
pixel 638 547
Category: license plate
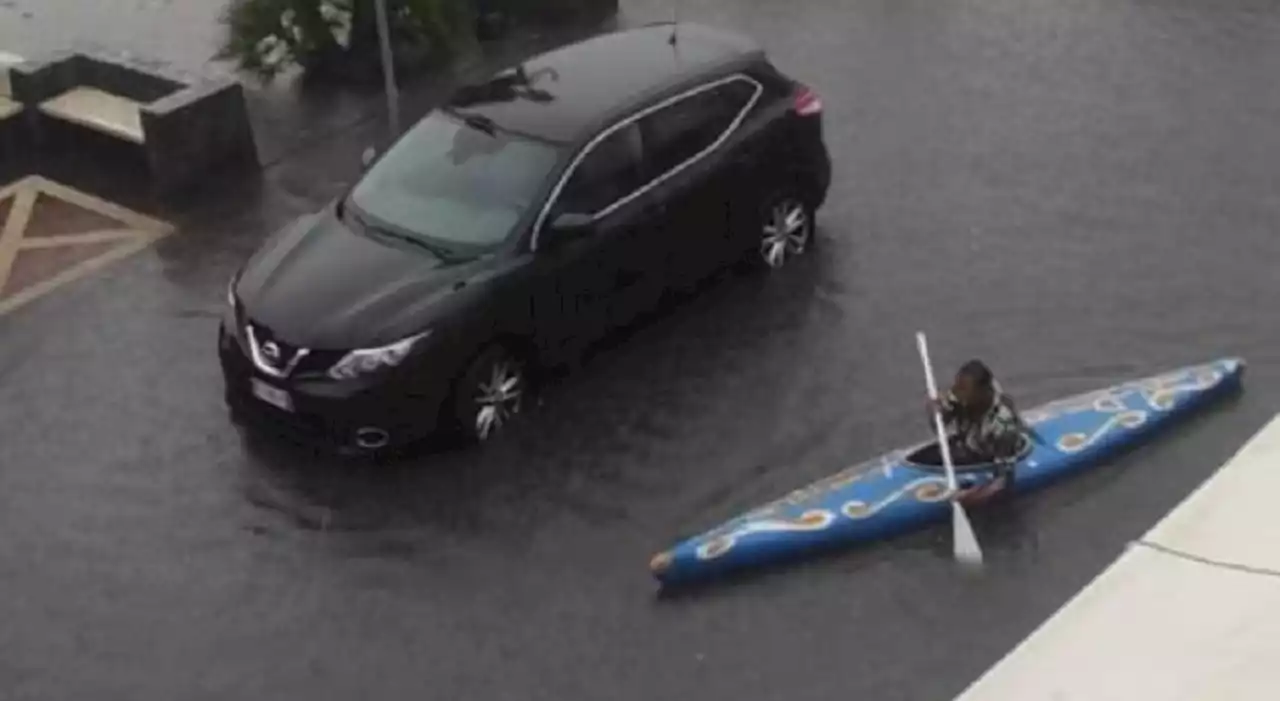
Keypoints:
pixel 272 395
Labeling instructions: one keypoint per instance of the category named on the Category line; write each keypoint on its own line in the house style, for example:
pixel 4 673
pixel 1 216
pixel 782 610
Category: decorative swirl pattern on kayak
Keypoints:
pixel 926 489
pixel 1160 394
pixel 1075 442
pixel 660 562
pixel 812 520
pixel 822 487
pixel 768 513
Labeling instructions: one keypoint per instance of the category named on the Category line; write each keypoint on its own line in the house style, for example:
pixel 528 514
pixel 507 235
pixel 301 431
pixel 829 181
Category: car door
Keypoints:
pixel 689 148
pixel 592 283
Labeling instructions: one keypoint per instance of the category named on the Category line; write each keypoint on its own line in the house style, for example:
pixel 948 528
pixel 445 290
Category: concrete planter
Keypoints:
pixel 177 128
pixel 13 142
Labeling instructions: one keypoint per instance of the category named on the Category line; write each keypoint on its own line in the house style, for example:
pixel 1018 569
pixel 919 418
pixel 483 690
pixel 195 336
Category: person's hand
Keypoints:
pixel 973 495
pixel 933 405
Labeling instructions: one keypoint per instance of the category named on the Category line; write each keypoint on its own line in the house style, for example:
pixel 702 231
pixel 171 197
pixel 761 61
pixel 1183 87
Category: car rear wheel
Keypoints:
pixel 785 230
pixel 489 394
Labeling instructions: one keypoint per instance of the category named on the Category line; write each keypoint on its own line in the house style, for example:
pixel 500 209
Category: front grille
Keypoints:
pixel 306 362
pixel 270 354
pixel 318 362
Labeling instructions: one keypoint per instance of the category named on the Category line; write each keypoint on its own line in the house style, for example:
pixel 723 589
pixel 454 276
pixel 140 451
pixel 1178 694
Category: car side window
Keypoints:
pixel 609 172
pixel 736 94
pixel 682 130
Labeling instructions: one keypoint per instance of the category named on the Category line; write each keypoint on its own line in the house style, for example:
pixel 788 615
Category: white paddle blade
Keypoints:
pixel 968 552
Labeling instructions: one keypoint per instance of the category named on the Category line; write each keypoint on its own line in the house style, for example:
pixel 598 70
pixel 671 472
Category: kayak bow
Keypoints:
pixel 905 489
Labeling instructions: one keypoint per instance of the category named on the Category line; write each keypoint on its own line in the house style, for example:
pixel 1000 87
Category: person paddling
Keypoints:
pixel 984 428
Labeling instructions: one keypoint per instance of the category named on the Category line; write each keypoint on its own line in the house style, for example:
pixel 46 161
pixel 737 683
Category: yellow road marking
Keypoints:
pixel 105 236
pixel 129 217
pixel 135 233
pixel 14 228
pixel 75 272
pixel 15 186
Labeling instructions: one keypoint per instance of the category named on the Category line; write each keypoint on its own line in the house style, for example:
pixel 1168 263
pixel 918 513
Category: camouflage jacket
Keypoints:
pixel 997 435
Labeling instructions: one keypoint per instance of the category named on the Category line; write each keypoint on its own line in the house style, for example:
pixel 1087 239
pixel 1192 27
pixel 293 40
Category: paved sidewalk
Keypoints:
pixel 1190 613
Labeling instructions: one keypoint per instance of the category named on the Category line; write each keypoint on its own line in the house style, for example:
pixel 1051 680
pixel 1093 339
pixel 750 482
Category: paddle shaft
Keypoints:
pixel 943 445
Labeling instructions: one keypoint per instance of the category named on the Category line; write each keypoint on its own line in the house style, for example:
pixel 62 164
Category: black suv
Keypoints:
pixel 517 223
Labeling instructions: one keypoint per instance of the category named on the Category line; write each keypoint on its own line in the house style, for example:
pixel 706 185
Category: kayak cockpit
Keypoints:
pixel 929 457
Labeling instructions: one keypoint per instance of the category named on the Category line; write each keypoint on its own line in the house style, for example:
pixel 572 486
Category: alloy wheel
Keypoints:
pixel 498 397
pixel 785 232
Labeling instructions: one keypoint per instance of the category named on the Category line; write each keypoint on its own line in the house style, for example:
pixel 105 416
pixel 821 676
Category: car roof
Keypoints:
pixel 566 94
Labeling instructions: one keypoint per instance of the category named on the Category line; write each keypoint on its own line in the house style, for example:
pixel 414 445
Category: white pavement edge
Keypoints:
pixel 6 60
pixel 1190 613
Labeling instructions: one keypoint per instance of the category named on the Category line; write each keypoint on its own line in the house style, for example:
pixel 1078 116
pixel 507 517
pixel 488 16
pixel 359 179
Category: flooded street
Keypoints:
pixel 1077 191
pixel 181 34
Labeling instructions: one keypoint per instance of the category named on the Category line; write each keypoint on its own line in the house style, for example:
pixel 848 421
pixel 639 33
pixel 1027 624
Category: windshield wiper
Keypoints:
pixel 442 252
pixel 351 215
pixel 480 122
pixel 436 250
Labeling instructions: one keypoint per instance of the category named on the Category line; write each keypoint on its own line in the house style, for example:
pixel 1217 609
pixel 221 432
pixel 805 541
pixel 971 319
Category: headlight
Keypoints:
pixel 366 360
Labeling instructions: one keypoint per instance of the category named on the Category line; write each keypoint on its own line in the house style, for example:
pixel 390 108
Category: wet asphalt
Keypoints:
pixel 1077 191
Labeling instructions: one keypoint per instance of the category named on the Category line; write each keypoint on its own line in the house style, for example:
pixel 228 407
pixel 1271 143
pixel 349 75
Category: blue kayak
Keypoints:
pixel 907 489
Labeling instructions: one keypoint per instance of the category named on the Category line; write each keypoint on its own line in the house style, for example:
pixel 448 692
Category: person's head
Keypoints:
pixel 974 387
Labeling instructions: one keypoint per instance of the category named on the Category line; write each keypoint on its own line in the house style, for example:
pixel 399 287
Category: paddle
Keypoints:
pixel 966 543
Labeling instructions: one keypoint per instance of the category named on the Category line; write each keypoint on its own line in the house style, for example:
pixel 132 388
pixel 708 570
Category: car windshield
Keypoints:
pixel 454 183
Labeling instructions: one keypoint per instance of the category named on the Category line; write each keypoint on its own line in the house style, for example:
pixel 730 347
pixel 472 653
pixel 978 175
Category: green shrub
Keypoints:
pixel 340 37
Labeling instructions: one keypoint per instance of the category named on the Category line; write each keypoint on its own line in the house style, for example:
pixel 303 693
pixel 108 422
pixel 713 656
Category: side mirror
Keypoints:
pixel 568 227
pixel 368 157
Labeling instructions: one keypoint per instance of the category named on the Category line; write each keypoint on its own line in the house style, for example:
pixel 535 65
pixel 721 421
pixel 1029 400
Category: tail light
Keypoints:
pixel 807 102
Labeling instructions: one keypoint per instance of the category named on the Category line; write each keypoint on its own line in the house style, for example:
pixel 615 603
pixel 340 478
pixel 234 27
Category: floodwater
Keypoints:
pixel 181 34
pixel 1077 191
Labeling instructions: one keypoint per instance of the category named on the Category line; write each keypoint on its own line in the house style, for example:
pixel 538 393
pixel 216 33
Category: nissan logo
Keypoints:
pixel 271 351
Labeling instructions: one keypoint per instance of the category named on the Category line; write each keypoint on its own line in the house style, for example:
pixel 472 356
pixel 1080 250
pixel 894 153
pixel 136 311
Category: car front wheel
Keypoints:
pixel 489 394
pixel 785 230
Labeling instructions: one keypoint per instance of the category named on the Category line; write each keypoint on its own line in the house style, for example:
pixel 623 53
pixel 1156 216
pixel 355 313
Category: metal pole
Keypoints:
pixel 388 68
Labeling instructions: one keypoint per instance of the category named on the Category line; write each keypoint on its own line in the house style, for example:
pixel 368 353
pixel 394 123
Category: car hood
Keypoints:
pixel 316 283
